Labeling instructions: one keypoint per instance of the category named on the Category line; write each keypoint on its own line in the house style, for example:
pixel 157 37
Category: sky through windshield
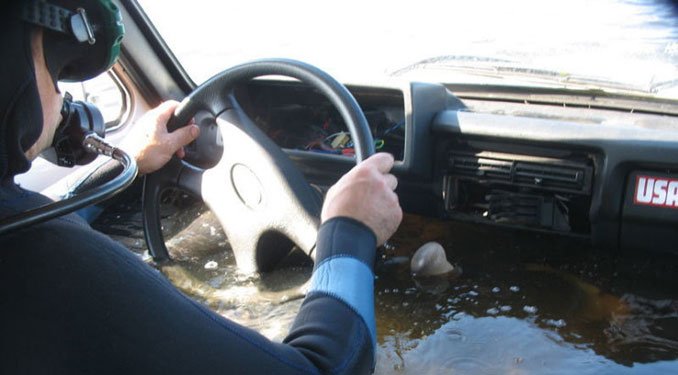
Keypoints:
pixel 631 42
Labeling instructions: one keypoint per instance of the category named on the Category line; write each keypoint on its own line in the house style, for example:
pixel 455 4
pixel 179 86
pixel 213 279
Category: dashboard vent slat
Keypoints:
pixel 482 167
pixel 549 176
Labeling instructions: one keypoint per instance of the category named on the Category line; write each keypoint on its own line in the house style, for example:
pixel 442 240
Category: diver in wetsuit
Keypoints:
pixel 74 301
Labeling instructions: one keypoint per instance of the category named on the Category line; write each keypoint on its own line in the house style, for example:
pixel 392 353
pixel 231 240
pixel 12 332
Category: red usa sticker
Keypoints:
pixel 656 191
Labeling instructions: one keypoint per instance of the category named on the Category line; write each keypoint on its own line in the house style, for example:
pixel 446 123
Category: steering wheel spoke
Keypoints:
pixel 176 174
pixel 256 192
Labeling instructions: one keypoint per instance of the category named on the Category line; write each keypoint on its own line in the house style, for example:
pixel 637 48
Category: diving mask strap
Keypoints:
pixel 44 14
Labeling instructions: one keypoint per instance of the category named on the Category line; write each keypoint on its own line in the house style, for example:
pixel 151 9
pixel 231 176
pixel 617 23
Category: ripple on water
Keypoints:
pixel 557 323
pixel 530 309
pixel 492 311
pixel 499 345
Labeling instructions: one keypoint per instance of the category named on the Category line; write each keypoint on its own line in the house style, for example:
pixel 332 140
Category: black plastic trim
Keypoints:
pixel 592 99
pixel 622 148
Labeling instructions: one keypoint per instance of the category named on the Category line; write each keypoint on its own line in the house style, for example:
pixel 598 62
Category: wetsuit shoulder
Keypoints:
pixel 75 301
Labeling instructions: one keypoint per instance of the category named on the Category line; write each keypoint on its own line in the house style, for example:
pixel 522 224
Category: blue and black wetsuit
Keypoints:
pixel 75 301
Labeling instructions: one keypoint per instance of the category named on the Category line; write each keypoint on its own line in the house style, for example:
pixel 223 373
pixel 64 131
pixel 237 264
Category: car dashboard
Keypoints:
pixel 575 163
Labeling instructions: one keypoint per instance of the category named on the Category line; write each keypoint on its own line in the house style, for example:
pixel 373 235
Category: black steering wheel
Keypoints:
pixel 255 191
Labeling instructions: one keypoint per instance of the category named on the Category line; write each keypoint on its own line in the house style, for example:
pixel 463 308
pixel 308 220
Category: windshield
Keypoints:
pixel 614 45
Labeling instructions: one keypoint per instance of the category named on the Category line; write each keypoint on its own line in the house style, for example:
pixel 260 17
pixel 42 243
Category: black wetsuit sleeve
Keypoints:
pixel 76 302
pixel 335 327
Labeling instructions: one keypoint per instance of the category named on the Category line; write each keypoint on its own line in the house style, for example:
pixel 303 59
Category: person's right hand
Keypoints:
pixel 151 145
pixel 366 194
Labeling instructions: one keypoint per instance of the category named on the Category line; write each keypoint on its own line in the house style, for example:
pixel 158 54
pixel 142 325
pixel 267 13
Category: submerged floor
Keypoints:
pixel 524 303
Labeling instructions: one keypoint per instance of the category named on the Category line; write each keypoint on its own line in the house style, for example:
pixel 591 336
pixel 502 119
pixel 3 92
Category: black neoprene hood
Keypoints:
pixel 67 56
pixel 82 38
pixel 20 109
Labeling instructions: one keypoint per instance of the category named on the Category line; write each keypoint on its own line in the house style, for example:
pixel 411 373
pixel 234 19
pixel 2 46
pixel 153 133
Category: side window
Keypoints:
pixel 107 93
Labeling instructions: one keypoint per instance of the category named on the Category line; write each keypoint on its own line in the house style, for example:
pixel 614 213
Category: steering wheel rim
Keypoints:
pixel 264 164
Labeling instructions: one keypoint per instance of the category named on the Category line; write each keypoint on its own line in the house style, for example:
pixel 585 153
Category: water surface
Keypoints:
pixel 524 303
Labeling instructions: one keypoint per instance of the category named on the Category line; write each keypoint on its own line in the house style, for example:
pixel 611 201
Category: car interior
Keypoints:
pixel 557 165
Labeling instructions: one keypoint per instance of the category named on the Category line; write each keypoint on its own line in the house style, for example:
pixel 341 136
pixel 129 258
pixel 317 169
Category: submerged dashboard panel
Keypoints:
pixel 576 171
pixel 492 160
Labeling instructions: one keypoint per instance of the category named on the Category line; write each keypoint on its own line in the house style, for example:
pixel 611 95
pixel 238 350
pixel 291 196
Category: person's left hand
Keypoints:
pixel 151 145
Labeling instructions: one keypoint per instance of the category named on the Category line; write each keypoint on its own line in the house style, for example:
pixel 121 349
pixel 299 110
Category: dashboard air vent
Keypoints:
pixel 472 166
pixel 549 176
pixel 521 170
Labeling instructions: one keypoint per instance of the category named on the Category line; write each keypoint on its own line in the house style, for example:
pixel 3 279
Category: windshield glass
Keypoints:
pixel 615 45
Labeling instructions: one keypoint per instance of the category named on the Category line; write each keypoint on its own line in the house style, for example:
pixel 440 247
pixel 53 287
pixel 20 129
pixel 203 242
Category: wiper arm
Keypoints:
pixel 501 68
pixel 449 61
pixel 659 86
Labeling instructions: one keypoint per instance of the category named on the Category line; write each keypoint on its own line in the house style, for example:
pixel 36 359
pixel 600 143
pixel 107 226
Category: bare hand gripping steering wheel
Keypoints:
pixel 255 190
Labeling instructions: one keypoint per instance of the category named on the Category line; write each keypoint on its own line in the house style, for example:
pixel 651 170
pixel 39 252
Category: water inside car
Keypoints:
pixel 525 302
pixel 539 150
